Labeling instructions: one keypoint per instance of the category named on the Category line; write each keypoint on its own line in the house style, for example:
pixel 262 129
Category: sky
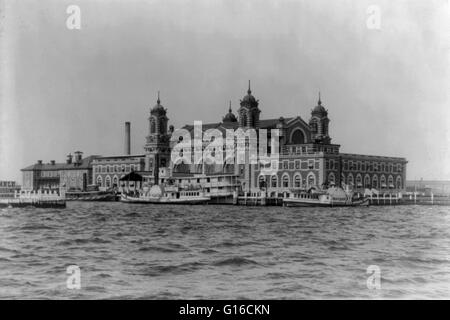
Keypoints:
pixel 62 90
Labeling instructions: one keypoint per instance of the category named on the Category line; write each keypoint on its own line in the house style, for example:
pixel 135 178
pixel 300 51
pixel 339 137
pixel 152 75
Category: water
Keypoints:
pixel 224 252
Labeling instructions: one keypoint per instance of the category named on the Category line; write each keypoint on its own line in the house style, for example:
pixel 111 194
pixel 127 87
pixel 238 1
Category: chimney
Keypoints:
pixel 52 162
pixel 39 161
pixel 69 158
pixel 127 138
pixel 78 157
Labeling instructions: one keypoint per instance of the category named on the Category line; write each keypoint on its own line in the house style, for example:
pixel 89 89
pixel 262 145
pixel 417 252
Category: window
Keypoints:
pixel 358 181
pixel 367 181
pixel 391 182
pixel 100 181
pixel 297 164
pixel 331 178
pixel 314 127
pixel 108 182
pixel 383 181
pixel 273 181
pixel 262 182
pixel 297 137
pixel 332 164
pixel 375 182
pixel 297 181
pixel 286 181
pixel 311 180
pixel 350 179
pixel 285 165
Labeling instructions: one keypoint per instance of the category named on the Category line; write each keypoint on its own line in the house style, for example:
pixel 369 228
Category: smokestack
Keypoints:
pixel 127 138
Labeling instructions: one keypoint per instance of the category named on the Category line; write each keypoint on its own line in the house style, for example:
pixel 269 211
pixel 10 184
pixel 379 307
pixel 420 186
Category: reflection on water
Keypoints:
pixel 163 252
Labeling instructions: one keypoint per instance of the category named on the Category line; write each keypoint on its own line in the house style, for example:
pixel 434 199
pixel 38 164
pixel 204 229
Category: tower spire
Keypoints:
pixel 249 91
pixel 319 102
pixel 158 101
pixel 229 109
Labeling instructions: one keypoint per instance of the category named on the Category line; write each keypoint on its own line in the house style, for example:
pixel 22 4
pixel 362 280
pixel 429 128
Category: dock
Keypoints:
pixel 35 199
pixel 386 199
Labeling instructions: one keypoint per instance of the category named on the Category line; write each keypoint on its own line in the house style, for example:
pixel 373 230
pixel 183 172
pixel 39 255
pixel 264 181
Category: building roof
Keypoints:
pixel 85 164
pixel 121 156
pixel 263 124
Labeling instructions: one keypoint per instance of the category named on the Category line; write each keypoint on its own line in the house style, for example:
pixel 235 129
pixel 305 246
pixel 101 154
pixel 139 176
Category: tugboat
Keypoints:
pixel 332 197
pixel 167 195
pixel 92 193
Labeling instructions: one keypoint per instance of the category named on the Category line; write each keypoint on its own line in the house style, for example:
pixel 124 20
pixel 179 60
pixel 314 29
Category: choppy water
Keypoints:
pixel 160 252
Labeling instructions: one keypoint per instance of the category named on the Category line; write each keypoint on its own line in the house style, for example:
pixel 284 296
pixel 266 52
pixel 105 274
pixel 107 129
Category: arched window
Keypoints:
pixel 350 179
pixel 262 182
pixel 343 178
pixel 297 181
pixel 108 182
pixel 273 181
pixel 331 178
pixel 285 181
pixel 244 119
pixel 99 181
pixel 297 137
pixel 399 182
pixel 152 125
pixel 115 181
pixel 358 180
pixel 366 181
pixel 383 181
pixel 391 182
pixel 375 182
pixel 162 125
pixel 314 127
pixel 311 180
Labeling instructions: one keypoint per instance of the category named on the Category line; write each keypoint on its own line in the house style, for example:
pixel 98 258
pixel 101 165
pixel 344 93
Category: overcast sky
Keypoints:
pixel 387 90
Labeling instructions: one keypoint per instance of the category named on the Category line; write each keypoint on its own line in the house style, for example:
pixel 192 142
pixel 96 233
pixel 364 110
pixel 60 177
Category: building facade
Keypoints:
pixel 75 174
pixel 108 170
pixel 307 156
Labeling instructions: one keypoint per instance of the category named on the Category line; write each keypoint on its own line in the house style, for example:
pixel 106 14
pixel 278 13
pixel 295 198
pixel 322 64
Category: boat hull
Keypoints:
pixel 317 203
pixel 91 197
pixel 162 200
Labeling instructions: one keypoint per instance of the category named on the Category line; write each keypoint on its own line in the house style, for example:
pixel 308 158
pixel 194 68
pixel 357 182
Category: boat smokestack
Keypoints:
pixel 127 138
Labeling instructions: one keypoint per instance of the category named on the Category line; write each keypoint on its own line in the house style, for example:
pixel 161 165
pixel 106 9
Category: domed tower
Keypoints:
pixel 229 117
pixel 157 147
pixel 158 119
pixel 319 123
pixel 249 111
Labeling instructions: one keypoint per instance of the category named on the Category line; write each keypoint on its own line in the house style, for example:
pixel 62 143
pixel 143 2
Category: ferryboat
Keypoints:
pixel 92 193
pixel 167 195
pixel 332 197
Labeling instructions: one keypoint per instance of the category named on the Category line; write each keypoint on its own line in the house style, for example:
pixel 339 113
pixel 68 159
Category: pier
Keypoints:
pixel 386 199
pixel 36 199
